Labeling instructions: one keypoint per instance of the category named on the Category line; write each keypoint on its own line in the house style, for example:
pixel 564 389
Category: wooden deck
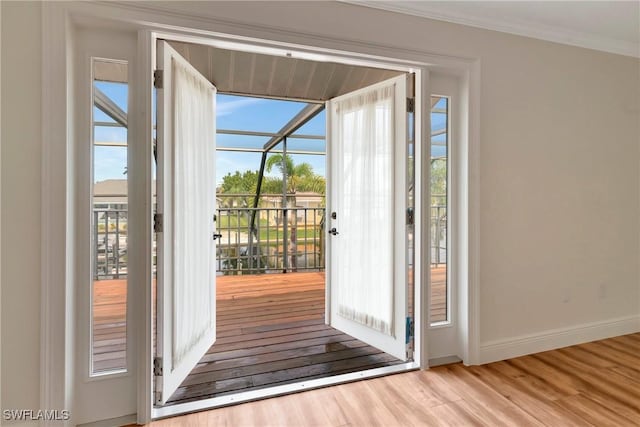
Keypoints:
pixel 270 331
pixel 109 325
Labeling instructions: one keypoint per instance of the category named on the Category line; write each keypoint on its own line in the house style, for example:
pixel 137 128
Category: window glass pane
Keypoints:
pixel 109 229
pixel 439 210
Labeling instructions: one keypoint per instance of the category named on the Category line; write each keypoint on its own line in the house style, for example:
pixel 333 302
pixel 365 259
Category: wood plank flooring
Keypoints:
pixel 109 301
pixel 109 324
pixel 438 300
pixel 271 331
pixel 593 384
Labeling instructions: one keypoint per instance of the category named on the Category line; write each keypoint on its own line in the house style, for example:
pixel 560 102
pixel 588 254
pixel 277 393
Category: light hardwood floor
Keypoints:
pixel 593 384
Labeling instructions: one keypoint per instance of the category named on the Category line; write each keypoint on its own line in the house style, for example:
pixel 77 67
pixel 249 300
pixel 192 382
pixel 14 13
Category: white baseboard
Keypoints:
pixel 113 422
pixel 557 338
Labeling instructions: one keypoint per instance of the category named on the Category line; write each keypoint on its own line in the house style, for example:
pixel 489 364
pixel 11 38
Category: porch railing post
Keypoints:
pixel 285 219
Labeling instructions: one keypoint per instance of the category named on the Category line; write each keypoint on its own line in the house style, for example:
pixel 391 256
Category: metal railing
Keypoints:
pixel 110 244
pixel 284 240
pixel 438 230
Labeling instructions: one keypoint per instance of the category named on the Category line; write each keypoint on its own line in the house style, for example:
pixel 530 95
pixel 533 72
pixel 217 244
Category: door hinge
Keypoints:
pixel 410 216
pixel 411 105
pixel 158 79
pixel 157 223
pixel 157 398
pixel 157 380
pixel 157 366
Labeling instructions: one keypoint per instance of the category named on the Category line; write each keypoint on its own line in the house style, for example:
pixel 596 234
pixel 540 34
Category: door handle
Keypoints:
pixel 334 231
pixel 217 236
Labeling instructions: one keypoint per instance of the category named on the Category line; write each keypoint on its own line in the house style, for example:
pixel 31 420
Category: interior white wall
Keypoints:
pixel 545 250
pixel 20 168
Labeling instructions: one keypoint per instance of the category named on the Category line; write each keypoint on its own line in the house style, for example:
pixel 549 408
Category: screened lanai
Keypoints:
pixel 270 256
pixel 276 227
pixel 284 99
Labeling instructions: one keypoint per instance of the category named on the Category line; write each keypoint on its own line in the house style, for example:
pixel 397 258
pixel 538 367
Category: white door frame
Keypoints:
pixel 90 387
pixel 444 345
pixel 274 48
pixel 58 281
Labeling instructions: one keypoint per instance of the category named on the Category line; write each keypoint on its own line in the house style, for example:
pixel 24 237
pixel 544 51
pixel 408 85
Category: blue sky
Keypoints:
pixel 262 115
pixel 235 113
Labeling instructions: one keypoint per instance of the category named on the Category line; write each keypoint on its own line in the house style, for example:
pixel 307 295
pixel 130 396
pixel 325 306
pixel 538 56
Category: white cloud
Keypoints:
pixel 225 108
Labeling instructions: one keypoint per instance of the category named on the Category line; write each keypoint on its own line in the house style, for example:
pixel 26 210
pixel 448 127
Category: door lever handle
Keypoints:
pixel 217 236
pixel 333 231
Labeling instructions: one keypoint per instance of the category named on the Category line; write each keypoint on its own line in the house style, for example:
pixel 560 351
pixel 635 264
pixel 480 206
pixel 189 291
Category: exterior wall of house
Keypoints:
pixel 559 166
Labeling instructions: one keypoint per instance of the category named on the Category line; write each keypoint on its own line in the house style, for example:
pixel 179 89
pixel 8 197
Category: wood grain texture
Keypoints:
pixel 593 384
pixel 271 331
pixel 293 300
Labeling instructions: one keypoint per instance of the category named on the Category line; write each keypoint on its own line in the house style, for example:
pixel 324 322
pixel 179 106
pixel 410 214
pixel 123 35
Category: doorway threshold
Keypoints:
pixel 248 396
pixel 273 340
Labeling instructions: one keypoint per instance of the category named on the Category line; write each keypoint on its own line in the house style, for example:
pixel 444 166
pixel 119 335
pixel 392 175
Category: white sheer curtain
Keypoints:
pixel 364 128
pixel 193 209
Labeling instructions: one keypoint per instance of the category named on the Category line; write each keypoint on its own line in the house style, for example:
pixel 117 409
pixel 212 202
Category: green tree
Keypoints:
pixel 439 181
pixel 238 187
pixel 245 182
pixel 300 177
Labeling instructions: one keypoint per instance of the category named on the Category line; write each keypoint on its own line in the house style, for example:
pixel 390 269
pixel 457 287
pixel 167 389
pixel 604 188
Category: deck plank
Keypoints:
pixel 270 331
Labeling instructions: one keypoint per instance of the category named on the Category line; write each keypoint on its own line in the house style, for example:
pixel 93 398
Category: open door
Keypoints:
pixel 186 288
pixel 367 284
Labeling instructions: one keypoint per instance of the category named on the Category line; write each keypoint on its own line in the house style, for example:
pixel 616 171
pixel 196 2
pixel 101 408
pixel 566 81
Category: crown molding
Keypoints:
pixel 512 26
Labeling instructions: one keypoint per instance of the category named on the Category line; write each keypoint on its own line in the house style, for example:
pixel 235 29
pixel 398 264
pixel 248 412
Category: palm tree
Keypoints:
pixel 296 174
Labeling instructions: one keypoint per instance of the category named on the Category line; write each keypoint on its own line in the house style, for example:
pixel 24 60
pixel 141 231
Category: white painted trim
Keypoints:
pixel 141 155
pixel 247 396
pixel 518 27
pixel 328 272
pixel 1 209
pixel 556 338
pixel 57 303
pixel 446 360
pixel 422 206
pixel 167 21
pixel 112 422
pixel 472 235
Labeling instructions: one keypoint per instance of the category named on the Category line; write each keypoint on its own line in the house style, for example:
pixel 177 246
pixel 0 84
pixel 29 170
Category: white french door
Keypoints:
pixel 186 289
pixel 367 283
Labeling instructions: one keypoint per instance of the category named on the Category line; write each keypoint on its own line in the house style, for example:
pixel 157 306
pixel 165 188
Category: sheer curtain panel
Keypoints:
pixel 364 131
pixel 193 209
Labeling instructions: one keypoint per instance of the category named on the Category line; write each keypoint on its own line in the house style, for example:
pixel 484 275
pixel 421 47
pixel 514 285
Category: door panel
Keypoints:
pixel 367 284
pixel 186 292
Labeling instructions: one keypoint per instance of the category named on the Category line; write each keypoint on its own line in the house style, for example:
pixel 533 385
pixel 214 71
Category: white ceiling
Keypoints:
pixel 610 26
